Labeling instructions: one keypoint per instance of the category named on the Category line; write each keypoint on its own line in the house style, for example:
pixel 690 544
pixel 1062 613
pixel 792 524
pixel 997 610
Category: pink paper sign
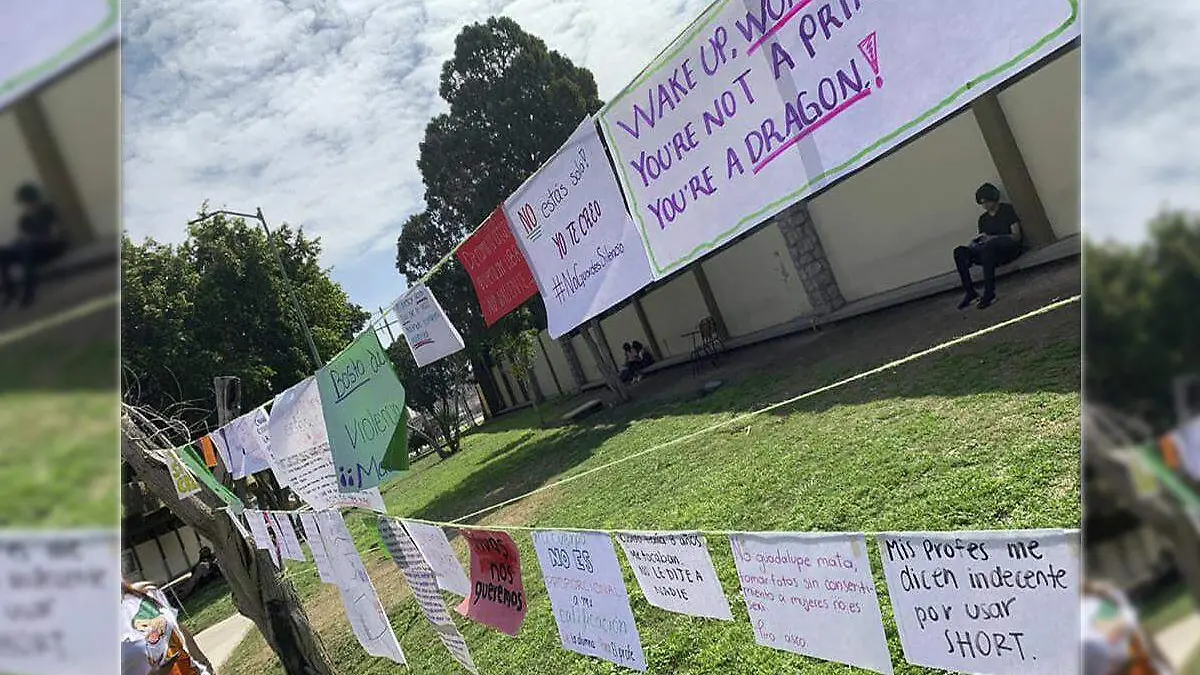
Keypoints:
pixel 497 596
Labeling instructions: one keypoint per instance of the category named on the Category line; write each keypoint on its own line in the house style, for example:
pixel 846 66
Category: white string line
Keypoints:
pixel 774 406
pixel 457 524
pixel 56 320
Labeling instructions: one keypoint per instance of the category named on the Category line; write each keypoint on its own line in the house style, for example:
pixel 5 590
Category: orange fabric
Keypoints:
pixel 1170 453
pixel 210 452
pixel 1140 662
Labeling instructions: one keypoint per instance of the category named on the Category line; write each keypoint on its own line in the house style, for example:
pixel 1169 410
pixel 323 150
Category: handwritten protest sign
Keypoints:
pixel 986 602
pixel 570 221
pixel 427 330
pixel 241 527
pixel 587 593
pixel 312 534
pixel 264 537
pixel 363 403
pixel 497 596
pixel 58 602
pixel 498 271
pixel 759 104
pixel 676 572
pixel 432 543
pixel 187 454
pixel 289 543
pixel 424 587
pixel 300 454
pixel 186 484
pixel 813 594
pixel 368 621
pixel 246 440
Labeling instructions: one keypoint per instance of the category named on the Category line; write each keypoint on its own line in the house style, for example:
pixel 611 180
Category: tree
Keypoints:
pixel 259 594
pixel 1140 325
pixel 513 102
pixel 517 349
pixel 436 392
pixel 216 304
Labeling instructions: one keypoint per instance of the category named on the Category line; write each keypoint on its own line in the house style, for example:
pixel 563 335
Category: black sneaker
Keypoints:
pixel 967 300
pixel 986 301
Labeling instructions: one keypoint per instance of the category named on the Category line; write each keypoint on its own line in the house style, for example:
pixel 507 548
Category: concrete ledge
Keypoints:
pixel 82 259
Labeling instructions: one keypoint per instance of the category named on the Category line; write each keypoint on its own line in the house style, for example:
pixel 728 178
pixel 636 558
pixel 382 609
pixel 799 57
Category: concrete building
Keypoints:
pixel 877 238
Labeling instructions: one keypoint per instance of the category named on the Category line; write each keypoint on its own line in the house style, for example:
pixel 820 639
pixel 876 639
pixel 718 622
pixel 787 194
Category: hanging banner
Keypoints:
pixel 241 528
pixel 57 593
pixel 424 588
pixel 435 548
pixel 497 596
pixel 312 534
pixel 1001 602
pixel 45 39
pixel 246 440
pixel 186 484
pixel 187 454
pixel 588 596
pixel 208 450
pixel 759 105
pixel 570 221
pixel 427 330
pixel 300 453
pixel 368 621
pixel 363 404
pixel 498 271
pixel 813 594
pixel 289 543
pixel 260 527
pixel 676 572
pixel 1186 440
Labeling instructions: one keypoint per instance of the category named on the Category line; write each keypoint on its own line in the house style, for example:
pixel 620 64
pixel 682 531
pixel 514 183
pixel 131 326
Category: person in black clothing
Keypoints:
pixel 998 243
pixel 39 241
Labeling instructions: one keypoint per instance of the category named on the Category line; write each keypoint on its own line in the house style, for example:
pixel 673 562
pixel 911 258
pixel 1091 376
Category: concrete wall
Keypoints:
pixel 1043 112
pixel 179 558
pixel 542 369
pixel 673 310
pixel 16 167
pixel 756 284
pixel 559 360
pixel 83 112
pixel 621 327
pixel 590 368
pixel 897 221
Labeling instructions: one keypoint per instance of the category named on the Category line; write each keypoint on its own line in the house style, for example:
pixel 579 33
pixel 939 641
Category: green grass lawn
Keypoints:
pixel 59 412
pixel 984 436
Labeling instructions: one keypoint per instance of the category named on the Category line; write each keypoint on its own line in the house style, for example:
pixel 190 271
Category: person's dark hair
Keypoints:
pixel 29 194
pixel 626 346
pixel 987 193
pixel 637 346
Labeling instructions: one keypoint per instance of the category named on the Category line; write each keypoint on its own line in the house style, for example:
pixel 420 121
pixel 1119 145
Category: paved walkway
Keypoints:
pixel 219 640
pixel 1180 640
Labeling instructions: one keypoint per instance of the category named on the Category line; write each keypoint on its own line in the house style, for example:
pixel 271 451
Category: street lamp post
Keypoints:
pixel 287 282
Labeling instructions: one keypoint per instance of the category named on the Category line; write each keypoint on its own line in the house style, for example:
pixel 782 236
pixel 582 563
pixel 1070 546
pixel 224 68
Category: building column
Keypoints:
pixel 651 340
pixel 573 362
pixel 808 256
pixel 710 300
pixel 53 174
pixel 1006 155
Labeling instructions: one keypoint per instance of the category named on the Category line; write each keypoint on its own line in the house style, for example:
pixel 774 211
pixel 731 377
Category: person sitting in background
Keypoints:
pixel 153 642
pixel 630 368
pixel 998 243
pixel 39 241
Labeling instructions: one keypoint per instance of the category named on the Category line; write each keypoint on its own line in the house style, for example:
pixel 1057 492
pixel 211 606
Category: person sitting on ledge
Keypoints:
pixel 998 243
pixel 39 241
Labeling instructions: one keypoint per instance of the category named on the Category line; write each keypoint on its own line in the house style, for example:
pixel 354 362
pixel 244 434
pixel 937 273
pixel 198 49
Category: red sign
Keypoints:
pixel 497 596
pixel 498 270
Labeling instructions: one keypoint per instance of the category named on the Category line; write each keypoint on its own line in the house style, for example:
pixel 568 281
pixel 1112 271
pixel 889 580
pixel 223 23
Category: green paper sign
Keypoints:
pixel 196 465
pixel 363 403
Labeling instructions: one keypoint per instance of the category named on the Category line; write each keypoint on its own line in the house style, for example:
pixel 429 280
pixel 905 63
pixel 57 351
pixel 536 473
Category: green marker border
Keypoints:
pixel 685 38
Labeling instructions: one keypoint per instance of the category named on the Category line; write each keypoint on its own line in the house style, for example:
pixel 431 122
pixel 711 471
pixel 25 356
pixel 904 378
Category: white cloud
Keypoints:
pixel 314 109
pixel 1141 123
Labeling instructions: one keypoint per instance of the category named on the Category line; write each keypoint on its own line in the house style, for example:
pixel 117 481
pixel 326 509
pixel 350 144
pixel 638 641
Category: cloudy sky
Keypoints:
pixel 1141 121
pixel 313 109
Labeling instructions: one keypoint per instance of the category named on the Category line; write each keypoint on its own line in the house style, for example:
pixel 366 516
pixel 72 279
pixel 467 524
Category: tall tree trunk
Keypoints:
pixel 607 368
pixel 259 592
pixel 487 385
